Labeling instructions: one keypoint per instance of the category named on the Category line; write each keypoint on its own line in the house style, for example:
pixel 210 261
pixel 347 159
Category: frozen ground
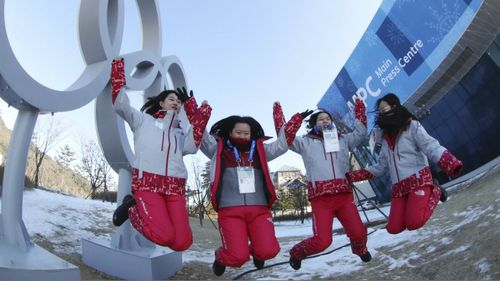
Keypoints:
pixel 461 240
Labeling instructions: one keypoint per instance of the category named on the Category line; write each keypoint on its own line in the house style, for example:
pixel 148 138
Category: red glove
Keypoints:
pixel 278 117
pixel 191 109
pixel 199 122
pixel 117 77
pixel 450 164
pixel 358 175
pixel 360 111
pixel 291 128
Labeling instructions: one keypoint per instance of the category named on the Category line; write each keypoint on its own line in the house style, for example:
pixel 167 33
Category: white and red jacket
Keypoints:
pixel 213 146
pixel 406 156
pixel 325 172
pixel 160 144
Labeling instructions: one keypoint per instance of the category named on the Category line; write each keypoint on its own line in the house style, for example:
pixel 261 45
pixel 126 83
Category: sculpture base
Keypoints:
pixel 34 264
pixel 146 264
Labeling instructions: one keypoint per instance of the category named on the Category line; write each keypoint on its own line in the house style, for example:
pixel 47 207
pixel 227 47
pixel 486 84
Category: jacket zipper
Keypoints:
pixel 394 150
pixel 397 151
pixel 162 140
pixel 244 194
pixel 175 147
pixel 333 166
pixel 168 147
pixel 395 165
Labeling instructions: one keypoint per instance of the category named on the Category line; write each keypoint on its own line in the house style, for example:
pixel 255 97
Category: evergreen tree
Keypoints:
pixel 65 156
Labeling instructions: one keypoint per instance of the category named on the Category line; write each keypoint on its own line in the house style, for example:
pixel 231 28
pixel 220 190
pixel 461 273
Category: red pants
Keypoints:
pixel 162 219
pixel 324 209
pixel 239 224
pixel 411 211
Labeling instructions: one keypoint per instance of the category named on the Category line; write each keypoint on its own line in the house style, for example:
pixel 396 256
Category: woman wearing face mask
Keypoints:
pixel 325 153
pixel 157 208
pixel 406 150
pixel 241 189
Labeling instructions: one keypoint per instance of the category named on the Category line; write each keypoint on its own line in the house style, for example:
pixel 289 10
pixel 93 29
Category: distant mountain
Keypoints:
pixel 58 177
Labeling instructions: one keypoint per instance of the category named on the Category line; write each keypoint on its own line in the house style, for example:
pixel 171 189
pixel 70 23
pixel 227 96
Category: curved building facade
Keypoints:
pixel 442 58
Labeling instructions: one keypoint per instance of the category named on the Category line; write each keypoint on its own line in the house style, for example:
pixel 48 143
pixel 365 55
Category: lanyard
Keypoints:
pixel 237 155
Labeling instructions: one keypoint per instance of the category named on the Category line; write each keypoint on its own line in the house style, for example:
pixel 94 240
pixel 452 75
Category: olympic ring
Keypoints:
pixel 144 70
pixel 101 26
pixel 19 89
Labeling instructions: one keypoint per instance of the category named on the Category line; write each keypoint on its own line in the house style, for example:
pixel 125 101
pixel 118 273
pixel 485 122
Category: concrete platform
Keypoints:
pixel 148 264
pixel 34 264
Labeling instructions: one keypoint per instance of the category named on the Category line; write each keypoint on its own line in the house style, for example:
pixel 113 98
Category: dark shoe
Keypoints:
pixel 295 264
pixel 444 195
pixel 218 268
pixel 258 263
pixel 121 213
pixel 366 257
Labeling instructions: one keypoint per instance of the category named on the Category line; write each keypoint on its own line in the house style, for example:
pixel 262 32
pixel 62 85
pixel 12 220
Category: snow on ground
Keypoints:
pixel 484 267
pixel 65 220
pixel 295 228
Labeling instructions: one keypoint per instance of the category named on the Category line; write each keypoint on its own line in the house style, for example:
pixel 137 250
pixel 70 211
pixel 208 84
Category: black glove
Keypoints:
pixel 183 95
pixel 306 113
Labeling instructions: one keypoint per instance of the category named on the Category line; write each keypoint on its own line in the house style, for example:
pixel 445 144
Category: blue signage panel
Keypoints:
pixel 401 47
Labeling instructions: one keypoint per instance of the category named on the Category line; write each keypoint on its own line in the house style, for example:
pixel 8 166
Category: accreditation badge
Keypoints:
pixel 331 140
pixel 246 179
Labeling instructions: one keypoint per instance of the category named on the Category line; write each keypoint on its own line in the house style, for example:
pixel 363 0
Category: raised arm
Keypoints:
pixel 435 152
pixel 194 138
pixel 357 136
pixel 208 145
pixel 289 128
pixel 197 116
pixel 119 98
pixel 286 132
pixel 369 172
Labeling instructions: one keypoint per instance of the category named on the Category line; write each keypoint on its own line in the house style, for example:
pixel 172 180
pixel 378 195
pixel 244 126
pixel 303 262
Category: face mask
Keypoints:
pixel 241 144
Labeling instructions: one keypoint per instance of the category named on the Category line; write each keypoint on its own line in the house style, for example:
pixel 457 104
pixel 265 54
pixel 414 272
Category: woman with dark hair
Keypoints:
pixel 406 150
pixel 241 188
pixel 325 153
pixel 157 208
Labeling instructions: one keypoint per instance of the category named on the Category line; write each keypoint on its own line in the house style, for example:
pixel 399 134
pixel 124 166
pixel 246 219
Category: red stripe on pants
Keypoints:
pixel 324 209
pixel 239 224
pixel 411 211
pixel 163 219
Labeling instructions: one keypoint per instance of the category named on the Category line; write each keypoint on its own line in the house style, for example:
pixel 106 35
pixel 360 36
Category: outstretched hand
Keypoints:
pixel 183 95
pixel 118 72
pixel 117 77
pixel 359 106
pixel 360 110
pixel 306 113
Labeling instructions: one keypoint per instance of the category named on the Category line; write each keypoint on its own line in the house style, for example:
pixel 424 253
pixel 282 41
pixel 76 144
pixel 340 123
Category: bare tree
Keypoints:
pixel 199 188
pixel 94 167
pixel 44 139
pixel 107 177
